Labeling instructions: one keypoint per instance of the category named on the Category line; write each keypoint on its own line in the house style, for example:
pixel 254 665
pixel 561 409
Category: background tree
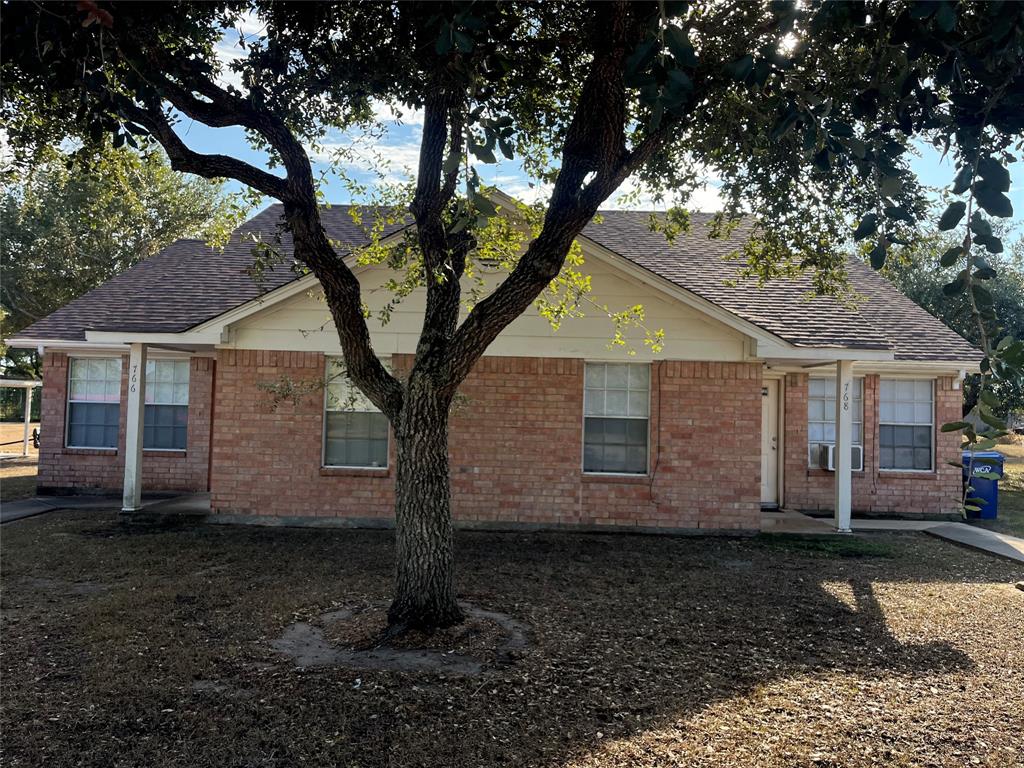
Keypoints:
pixel 70 223
pixel 804 110
pixel 912 269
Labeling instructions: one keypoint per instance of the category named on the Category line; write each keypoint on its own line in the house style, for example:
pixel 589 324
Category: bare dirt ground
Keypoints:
pixel 17 475
pixel 155 647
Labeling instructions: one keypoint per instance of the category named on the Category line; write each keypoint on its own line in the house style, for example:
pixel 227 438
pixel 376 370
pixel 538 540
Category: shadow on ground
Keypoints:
pixel 155 647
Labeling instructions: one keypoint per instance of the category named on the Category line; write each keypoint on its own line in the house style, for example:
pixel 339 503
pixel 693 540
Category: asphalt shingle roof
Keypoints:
pixel 189 283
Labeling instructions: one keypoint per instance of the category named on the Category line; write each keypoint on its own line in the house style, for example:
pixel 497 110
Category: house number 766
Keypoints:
pixel 135 377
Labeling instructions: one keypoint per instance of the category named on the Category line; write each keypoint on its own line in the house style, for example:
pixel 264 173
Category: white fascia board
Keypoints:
pixel 670 289
pixel 185 338
pixel 823 355
pixel 61 344
pixel 891 367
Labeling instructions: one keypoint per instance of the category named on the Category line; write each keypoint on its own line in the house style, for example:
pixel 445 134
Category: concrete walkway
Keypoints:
pixel 193 503
pixel 1001 544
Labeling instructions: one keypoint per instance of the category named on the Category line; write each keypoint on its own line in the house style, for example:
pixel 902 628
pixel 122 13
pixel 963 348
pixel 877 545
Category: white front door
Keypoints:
pixel 770 443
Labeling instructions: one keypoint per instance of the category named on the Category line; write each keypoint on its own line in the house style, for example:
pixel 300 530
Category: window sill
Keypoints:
pixel 169 453
pixel 819 472
pixel 611 477
pixel 355 472
pixel 72 451
pixel 915 474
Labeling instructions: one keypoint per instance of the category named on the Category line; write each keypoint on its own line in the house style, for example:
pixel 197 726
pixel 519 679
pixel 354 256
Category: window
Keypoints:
pixel 821 416
pixel 165 424
pixel 94 402
pixel 355 431
pixel 905 424
pixel 616 400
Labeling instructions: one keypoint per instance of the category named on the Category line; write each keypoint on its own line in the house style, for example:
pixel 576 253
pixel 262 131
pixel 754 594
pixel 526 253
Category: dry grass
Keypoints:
pixel 17 475
pixel 1011 490
pixel 142 647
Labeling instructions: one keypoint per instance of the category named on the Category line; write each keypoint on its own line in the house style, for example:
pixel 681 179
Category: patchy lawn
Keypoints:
pixel 17 475
pixel 1011 490
pixel 135 646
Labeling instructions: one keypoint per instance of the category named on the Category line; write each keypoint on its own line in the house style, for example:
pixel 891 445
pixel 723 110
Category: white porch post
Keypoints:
pixel 844 440
pixel 28 420
pixel 133 428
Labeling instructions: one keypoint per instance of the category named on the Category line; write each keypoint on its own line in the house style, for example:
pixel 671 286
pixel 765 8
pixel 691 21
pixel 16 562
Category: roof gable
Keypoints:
pixel 189 284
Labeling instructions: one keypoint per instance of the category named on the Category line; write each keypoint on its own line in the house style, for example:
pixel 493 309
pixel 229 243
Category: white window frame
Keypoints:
pixel 369 408
pixel 831 418
pixel 72 361
pixel 931 448
pixel 647 418
pixel 151 391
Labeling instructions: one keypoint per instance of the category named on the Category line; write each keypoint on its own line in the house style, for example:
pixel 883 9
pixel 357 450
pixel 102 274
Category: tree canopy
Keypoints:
pixel 805 110
pixel 67 226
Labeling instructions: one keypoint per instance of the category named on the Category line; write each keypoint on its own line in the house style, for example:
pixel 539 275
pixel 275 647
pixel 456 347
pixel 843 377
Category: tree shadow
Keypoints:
pixel 628 636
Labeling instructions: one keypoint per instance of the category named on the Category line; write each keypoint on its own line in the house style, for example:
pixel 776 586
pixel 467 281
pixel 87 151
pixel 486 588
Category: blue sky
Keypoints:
pixel 399 148
pixel 401 144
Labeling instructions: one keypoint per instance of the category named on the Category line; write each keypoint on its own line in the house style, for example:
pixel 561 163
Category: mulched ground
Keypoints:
pixel 142 647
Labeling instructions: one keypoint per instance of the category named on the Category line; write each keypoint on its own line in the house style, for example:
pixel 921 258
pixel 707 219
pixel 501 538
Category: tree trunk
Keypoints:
pixel 424 583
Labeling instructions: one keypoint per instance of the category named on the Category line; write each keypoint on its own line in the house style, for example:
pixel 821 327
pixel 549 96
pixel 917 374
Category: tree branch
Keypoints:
pixel 208 166
pixel 595 143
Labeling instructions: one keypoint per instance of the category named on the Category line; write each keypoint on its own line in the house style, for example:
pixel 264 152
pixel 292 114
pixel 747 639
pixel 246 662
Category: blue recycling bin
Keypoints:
pixel 988 462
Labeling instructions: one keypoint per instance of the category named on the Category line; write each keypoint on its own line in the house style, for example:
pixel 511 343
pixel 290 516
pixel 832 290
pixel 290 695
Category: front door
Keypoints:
pixel 770 443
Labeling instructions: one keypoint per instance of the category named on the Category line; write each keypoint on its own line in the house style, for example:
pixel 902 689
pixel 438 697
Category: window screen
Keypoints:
pixel 94 402
pixel 165 425
pixel 355 431
pixel 906 424
pixel 821 415
pixel 616 399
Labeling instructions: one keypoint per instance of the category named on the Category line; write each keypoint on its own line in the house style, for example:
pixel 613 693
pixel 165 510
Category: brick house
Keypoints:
pixel 175 364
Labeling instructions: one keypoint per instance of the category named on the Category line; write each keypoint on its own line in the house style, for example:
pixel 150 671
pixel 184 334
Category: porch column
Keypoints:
pixel 28 420
pixel 133 428
pixel 844 441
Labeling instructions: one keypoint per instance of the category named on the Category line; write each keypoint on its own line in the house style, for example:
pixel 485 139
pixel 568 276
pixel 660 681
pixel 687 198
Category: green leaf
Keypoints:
pixel 962 180
pixel 877 256
pixel 741 68
pixel 899 213
pixel 994 202
pixel 987 475
pixel 992 171
pixel 949 258
pixel 945 17
pixel 641 57
pixel 954 426
pixel 980 225
pixel 681 80
pixel 989 398
pixel 955 287
pixel 867 227
pixel 891 186
pixel 679 44
pixel 462 41
pixel 506 149
pixel 451 163
pixel 952 215
pixel 444 40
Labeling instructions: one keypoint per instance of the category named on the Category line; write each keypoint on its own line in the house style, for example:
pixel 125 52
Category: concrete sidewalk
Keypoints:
pixel 192 503
pixel 1000 544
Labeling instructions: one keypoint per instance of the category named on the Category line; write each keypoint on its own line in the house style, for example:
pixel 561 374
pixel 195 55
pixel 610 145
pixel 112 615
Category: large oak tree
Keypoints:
pixel 805 111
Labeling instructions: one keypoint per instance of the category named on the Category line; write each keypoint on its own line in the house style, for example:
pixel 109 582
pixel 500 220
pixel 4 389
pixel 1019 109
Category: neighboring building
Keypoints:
pixel 555 428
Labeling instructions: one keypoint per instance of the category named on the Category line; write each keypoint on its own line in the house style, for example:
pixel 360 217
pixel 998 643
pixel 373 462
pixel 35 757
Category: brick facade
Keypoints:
pixel 63 469
pixel 516 448
pixel 875 491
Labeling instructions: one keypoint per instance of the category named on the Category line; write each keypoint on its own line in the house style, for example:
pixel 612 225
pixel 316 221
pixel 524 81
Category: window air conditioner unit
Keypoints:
pixel 827 457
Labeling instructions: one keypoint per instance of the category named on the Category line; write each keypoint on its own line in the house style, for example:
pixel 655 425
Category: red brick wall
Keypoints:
pixel 873 490
pixel 62 468
pixel 516 447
